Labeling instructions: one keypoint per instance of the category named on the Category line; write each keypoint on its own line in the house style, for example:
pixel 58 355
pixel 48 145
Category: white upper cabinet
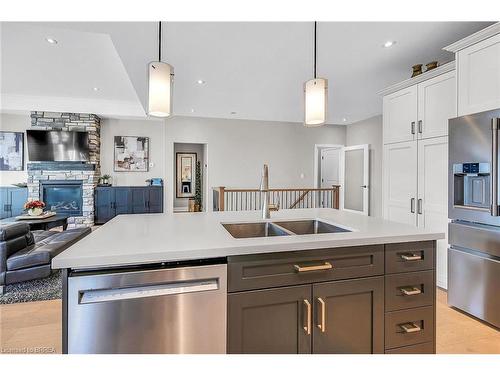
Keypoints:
pixel 436 105
pixel 420 107
pixel 400 115
pixel 400 182
pixel 478 69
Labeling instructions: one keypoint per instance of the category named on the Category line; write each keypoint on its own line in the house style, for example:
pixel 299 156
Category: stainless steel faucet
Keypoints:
pixel 267 207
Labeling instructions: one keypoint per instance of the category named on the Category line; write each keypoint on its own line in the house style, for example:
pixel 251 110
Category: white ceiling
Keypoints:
pixel 256 69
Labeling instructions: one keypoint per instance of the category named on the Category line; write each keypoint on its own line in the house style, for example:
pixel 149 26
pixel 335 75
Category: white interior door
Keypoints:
pixel 330 167
pixel 354 179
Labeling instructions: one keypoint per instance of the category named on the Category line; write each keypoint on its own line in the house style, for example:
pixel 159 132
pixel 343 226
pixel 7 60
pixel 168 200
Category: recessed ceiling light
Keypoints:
pixel 51 40
pixel 192 110
pixel 201 82
pixel 95 88
pixel 389 43
pixel 344 119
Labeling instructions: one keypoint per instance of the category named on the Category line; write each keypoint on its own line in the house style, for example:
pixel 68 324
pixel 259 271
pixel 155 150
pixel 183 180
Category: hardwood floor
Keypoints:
pixel 36 327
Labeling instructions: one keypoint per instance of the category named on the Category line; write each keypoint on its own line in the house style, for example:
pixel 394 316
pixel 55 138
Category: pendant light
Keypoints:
pixel 315 96
pixel 160 84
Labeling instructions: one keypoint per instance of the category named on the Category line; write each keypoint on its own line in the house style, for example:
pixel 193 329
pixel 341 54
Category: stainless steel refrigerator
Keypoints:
pixel 473 210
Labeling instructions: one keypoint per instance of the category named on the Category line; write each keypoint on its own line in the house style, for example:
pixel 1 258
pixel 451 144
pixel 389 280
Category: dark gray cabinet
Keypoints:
pixel 334 301
pixel 118 200
pixel 12 201
pixel 349 317
pixel 340 317
pixel 270 321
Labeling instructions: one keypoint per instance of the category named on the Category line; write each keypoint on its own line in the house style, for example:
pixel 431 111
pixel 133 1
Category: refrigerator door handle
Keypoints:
pixel 495 124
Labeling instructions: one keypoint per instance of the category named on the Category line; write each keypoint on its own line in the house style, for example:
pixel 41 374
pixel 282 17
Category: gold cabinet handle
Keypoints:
pixel 307 326
pixel 409 257
pixel 318 267
pixel 410 290
pixel 322 311
pixel 410 327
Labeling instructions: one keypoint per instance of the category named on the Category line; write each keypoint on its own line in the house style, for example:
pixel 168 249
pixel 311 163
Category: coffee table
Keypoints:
pixel 42 224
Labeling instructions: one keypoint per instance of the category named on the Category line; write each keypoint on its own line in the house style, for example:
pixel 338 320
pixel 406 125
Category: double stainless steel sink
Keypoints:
pixel 281 228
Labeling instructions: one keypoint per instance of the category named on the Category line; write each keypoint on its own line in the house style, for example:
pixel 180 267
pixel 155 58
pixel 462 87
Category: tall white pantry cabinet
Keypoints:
pixel 415 160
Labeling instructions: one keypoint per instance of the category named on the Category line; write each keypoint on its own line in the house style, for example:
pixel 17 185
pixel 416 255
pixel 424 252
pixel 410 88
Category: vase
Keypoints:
pixel 37 211
pixel 417 70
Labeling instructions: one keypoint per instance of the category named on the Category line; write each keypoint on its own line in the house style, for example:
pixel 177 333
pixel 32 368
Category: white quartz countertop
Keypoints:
pixel 153 238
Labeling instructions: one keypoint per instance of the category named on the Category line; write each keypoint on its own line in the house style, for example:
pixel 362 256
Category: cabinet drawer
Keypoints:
pixel 409 256
pixel 247 272
pixel 409 290
pixel 425 348
pixel 409 327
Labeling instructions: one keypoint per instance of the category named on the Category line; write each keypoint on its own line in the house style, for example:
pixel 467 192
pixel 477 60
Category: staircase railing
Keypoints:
pixel 229 199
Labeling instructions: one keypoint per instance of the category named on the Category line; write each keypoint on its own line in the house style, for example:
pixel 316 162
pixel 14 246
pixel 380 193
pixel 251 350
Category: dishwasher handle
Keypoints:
pixel 145 291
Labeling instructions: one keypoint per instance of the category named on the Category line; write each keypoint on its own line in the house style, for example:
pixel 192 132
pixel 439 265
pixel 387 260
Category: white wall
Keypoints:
pixel 370 131
pixel 155 130
pixel 237 149
pixel 15 123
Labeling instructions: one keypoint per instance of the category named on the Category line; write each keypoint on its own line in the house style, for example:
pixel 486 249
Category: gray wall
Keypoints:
pixel 370 131
pixel 237 149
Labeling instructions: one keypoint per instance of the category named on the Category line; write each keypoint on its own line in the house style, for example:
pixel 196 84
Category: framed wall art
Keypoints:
pixel 131 154
pixel 185 174
pixel 11 151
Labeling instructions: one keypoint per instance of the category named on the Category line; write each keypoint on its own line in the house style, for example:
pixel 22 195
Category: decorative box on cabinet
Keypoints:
pixel 117 200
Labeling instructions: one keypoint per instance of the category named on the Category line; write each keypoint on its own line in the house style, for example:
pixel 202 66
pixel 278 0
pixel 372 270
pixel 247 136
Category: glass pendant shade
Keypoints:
pixel 160 84
pixel 315 97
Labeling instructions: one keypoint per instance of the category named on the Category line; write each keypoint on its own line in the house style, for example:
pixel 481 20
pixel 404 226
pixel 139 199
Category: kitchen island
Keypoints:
pixel 368 287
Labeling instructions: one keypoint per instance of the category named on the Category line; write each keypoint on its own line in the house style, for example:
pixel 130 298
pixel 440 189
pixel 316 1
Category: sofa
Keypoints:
pixel 27 255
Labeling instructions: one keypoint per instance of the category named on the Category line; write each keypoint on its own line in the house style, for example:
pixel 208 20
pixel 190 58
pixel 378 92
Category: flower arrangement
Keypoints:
pixel 34 208
pixel 34 204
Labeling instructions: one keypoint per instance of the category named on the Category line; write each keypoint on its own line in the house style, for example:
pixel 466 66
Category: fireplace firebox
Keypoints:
pixel 63 196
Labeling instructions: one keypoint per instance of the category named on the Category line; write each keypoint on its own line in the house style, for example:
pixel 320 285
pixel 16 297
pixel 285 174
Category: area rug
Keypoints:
pixel 34 290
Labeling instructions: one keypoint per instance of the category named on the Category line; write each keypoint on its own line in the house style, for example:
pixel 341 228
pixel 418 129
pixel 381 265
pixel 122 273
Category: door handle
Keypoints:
pixel 420 126
pixel 307 326
pixel 319 267
pixel 364 186
pixel 495 124
pixel 410 327
pixel 322 312
pixel 419 206
pixel 410 290
pixel 412 205
pixel 413 127
pixel 410 257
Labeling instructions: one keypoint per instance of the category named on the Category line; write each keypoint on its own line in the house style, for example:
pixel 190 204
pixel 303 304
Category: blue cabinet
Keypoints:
pixel 112 201
pixel 12 201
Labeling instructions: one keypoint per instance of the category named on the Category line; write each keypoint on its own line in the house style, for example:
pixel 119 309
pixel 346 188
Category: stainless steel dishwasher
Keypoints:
pixel 164 310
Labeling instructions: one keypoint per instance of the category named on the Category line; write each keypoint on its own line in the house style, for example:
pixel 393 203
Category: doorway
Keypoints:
pixel 189 188
pixel 347 167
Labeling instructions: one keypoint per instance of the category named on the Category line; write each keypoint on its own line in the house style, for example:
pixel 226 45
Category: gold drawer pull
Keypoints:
pixel 409 257
pixel 410 327
pixel 410 290
pixel 319 267
pixel 322 319
pixel 307 326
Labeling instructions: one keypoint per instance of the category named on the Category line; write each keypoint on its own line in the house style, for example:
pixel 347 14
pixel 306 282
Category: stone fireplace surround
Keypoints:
pixel 87 173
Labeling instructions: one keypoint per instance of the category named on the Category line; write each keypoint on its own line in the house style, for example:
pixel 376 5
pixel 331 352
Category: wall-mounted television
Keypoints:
pixel 58 145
